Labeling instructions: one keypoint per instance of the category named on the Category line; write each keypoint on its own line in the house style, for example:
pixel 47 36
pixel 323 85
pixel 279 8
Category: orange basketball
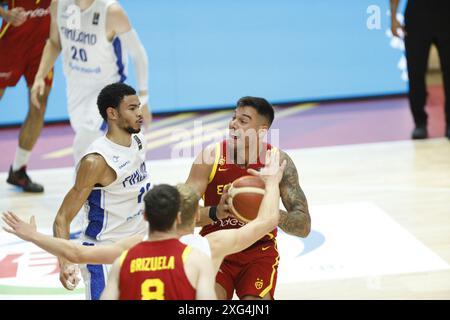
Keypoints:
pixel 246 194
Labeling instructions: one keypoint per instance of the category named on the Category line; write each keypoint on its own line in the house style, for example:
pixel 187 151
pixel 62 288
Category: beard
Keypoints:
pixel 131 130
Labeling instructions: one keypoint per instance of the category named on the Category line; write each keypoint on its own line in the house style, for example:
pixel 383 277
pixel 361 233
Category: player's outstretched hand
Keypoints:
pixel 19 227
pixel 272 172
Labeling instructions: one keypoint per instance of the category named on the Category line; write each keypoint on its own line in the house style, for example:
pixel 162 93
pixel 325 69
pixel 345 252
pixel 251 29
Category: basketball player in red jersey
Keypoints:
pixel 252 273
pixel 25 29
pixel 161 268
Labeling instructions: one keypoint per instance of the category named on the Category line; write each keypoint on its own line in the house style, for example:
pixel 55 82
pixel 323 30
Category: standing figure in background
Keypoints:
pixel 94 37
pixel 427 22
pixel 25 29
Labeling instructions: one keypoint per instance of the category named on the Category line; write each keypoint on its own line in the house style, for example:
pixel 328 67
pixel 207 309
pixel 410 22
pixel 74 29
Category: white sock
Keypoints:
pixel 21 158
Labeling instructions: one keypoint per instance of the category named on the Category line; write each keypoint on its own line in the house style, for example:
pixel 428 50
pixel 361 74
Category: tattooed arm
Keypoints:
pixel 296 221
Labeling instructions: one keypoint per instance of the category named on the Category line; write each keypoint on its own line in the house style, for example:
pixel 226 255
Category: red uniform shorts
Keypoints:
pixel 17 59
pixel 251 272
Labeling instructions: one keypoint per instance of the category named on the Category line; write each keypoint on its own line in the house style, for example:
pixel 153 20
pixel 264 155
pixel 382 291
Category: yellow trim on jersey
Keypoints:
pixel 186 253
pixel 50 75
pixel 216 162
pixel 271 236
pixel 4 30
pixel 266 290
pixel 123 256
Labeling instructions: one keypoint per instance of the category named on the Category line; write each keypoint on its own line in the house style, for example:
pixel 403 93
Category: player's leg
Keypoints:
pixel 224 280
pixel 417 44
pixel 32 126
pixel 443 46
pixel 257 280
pixel 2 92
pixel 29 133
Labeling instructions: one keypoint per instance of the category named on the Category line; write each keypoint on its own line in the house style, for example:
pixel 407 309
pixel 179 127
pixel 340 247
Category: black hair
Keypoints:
pixel 261 105
pixel 111 96
pixel 162 204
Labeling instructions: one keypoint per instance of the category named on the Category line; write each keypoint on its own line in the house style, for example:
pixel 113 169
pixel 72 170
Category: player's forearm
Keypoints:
pixel 61 227
pixel 394 6
pixel 2 11
pixel 57 247
pixel 49 56
pixel 296 223
pixel 269 208
pixel 138 54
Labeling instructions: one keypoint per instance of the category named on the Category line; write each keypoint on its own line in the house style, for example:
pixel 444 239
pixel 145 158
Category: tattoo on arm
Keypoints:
pixel 296 221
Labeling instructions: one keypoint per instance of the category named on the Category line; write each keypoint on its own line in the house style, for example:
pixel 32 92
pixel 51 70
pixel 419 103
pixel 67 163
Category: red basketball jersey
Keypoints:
pixel 154 270
pixel 37 26
pixel 224 171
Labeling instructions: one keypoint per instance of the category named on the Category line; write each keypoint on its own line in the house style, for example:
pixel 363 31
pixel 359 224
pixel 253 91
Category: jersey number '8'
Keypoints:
pixel 152 289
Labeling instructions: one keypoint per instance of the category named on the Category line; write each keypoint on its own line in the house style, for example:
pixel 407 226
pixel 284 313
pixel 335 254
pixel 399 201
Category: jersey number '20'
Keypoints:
pixel 78 54
pixel 152 289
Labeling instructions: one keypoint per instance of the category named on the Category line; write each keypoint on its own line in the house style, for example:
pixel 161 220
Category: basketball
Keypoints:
pixel 246 194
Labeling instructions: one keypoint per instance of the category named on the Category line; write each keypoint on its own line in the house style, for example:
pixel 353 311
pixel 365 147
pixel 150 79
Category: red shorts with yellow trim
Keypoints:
pixel 252 272
pixel 16 60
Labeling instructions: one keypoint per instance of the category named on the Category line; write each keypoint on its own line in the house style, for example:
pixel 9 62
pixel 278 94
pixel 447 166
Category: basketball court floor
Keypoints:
pixel 379 202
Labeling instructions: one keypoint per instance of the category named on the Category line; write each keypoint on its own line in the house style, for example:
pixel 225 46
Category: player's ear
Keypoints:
pixel 112 113
pixel 145 216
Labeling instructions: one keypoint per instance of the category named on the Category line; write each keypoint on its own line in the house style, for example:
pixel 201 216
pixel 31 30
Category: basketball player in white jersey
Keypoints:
pixel 217 244
pixel 111 180
pixel 93 37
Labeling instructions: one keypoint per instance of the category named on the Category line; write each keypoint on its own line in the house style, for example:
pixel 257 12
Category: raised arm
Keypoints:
pixel 296 221
pixel 51 51
pixel 67 249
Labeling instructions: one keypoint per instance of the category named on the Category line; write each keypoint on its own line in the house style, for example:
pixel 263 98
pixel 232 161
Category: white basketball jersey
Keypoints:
pixel 195 241
pixel 88 57
pixel 198 242
pixel 116 211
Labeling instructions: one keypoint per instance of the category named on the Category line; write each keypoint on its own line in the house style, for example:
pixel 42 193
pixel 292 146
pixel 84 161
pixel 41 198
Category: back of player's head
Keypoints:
pixel 162 204
pixel 111 96
pixel 188 204
pixel 261 105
